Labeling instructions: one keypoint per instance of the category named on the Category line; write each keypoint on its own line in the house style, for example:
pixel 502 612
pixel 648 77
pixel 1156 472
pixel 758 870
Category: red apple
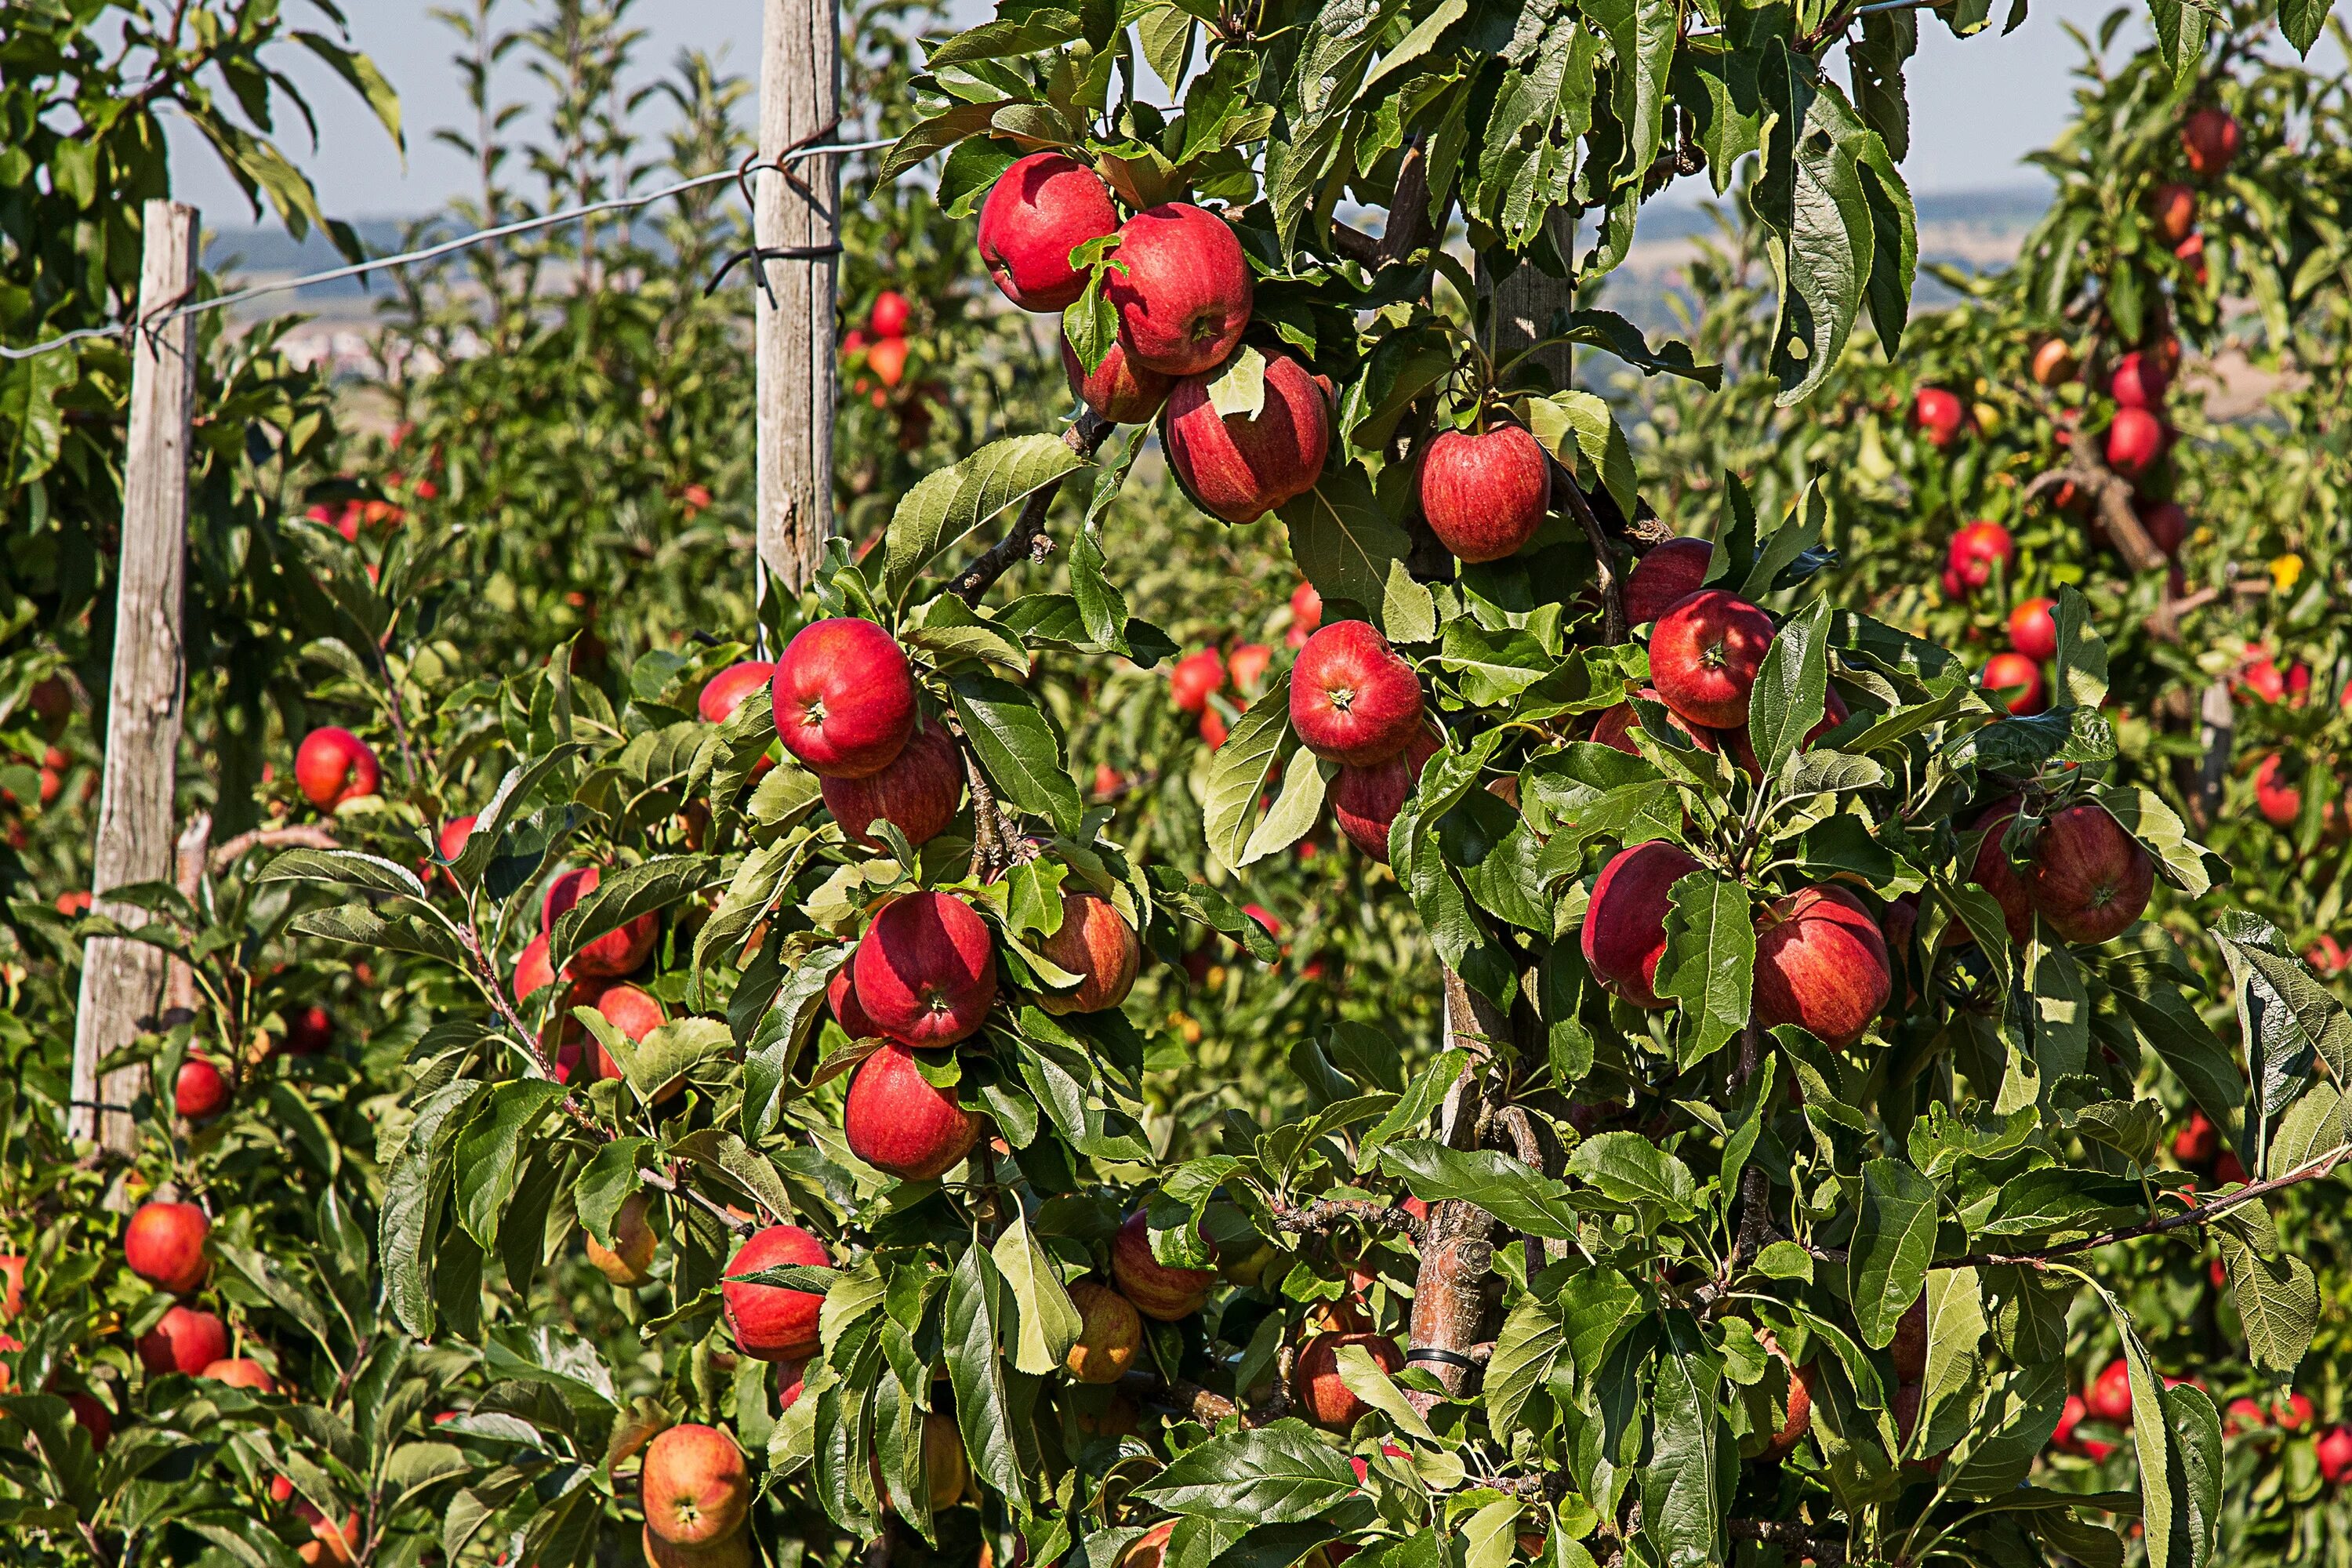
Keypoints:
pixel 1194 679
pixel 2196 1142
pixel 1119 389
pixel 890 314
pixel 2053 362
pixel 1316 1386
pixel 770 1321
pixel 1909 1348
pixel 2165 522
pixel 926 972
pixel 724 692
pixel 898 1123
pixel 1485 495
pixel 1096 943
pixel 1904 1408
pixel 1820 964
pixel 1353 699
pixel 1625 924
pixel 1148 1550
pixel 241 1372
pixel 331 1545
pixel 1182 288
pixel 844 698
pixel 887 360
pixel 693 1485
pixel 92 1418
pixel 2034 628
pixel 2294 1413
pixel 1248 665
pixel 199 1091
pixel 2135 440
pixel 183 1339
pixel 1704 653
pixel 1110 1334
pixel 1615 726
pixel 2334 1451
pixel 2173 211
pixel 165 1244
pixel 2279 801
pixel 1973 554
pixel 1157 1289
pixel 1239 467
pixel 309 1032
pixel 532 973
pixel 841 996
pixel 1365 801
pixel 735 1552
pixel 2110 1397
pixel 632 1011
pixel 1306 613
pixel 2210 140
pixel 1783 1442
pixel 917 791
pixel 1938 414
pixel 2138 382
pixel 2090 879
pixel 615 954
pixel 1669 573
pixel 1993 872
pixel 1214 729
pixel 2014 682
pixel 333 766
pixel 629 1261
pixel 1041 208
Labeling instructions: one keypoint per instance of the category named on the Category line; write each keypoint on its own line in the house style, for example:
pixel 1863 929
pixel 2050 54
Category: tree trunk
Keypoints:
pixel 797 209
pixel 122 982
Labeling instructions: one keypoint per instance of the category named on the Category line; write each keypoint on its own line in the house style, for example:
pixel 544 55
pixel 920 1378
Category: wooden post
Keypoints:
pixel 122 982
pixel 1526 302
pixel 800 95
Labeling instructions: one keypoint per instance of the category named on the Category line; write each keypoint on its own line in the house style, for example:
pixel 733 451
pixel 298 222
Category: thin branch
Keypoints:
pixel 223 855
pixel 2111 493
pixel 659 1182
pixel 1613 592
pixel 1324 1215
pixel 1087 433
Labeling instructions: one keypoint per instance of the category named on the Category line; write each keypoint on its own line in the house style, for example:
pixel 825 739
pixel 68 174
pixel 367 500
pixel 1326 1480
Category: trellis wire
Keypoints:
pixel 445 248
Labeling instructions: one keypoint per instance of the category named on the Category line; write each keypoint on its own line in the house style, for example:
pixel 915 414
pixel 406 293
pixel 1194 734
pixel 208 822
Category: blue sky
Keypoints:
pixel 1978 105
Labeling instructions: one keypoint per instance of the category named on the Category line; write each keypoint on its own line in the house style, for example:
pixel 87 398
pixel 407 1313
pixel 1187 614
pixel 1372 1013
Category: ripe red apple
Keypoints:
pixel 451 841
pixel 735 1552
pixel 1096 943
pixel 2053 362
pixel 2294 1413
pixel 241 1372
pixel 1041 208
pixel 629 1261
pixel 1784 1443
pixel 1110 1332
pixel 2034 628
pixel 695 1485
pixel 1306 613
pixel 616 953
pixel 1316 1386
pixel 1974 553
pixel 1704 653
pixel 1239 467
pixel 841 996
pixel 768 1321
pixel 183 1339
pixel 917 791
pixel 632 1011
pixel 1820 964
pixel 331 1545
pixel 532 972
pixel 1938 414
pixel 2014 681
pixel 1661 579
pixel 926 970
pixel 1248 665
pixel 1485 495
pixel 2278 800
pixel 1365 801
pixel 2110 1397
pixel 2196 1142
pixel 92 1418
pixel 1353 699
pixel 2210 140
pixel 2166 524
pixel 333 766
pixel 2138 382
pixel 890 314
pixel 2334 1451
pixel 309 1032
pixel 1625 924
pixel 1156 1290
pixel 1148 1550
pixel 1194 679
pixel 199 1091
pixel 2135 440
pixel 1904 1408
pixel 724 692
pixel 1182 288
pixel 1909 1348
pixel 2090 879
pixel 1993 872
pixel 1214 729
pixel 898 1123
pixel 844 698
pixel 165 1244
pixel 1615 726
pixel 2173 211
pixel 1119 389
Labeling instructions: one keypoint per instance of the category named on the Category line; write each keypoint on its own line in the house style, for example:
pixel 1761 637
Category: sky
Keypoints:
pixel 1978 105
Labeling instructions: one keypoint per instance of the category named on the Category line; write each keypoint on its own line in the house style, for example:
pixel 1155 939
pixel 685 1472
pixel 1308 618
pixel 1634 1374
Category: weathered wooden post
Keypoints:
pixel 122 982
pixel 800 98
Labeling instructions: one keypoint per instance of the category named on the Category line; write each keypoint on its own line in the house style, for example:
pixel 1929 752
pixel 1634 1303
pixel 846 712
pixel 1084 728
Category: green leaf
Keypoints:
pixel 1363 1377
pixel 1894 1242
pixel 1280 1473
pixel 1810 195
pixel 1530 1344
pixel 1049 1323
pixel 1693 1464
pixel 1238 387
pixel 1791 689
pixel 621 896
pixel 1296 809
pixel 359 926
pixel 1408 609
pixel 490 1152
pixel 945 506
pixel 1628 1168
pixel 1240 772
pixel 993 1402
pixel 2277 1300
pixel 1710 963
pixel 1494 664
pixel 1955 1370
pixel 1581 430
pixel 1018 747
pixel 342 868
pixel 1519 1195
pixel 1342 540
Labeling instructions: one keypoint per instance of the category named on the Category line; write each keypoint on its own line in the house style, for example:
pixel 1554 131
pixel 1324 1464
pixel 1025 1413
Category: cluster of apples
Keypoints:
pixel 883 341
pixel 1981 554
pixel 1195 680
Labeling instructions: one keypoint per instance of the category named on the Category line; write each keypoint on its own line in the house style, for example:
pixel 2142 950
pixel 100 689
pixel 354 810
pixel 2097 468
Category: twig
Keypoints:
pixel 1796 1535
pixel 1201 1403
pixel 988 825
pixel 659 1182
pixel 1324 1215
pixel 2111 493
pixel 1087 434
pixel 223 855
pixel 1755 1187
pixel 1612 593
